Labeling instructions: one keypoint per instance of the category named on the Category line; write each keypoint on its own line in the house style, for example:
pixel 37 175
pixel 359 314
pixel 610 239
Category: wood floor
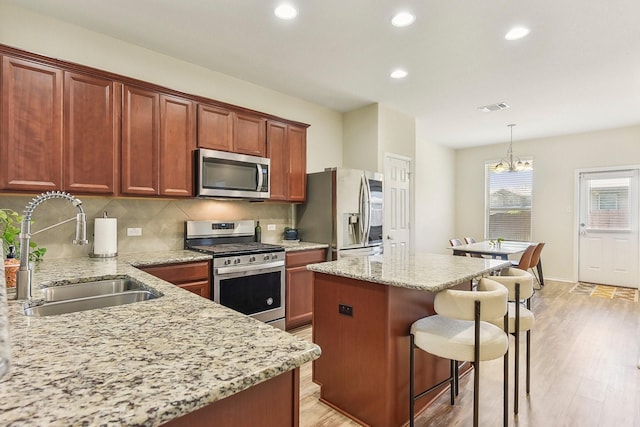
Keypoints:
pixel 585 353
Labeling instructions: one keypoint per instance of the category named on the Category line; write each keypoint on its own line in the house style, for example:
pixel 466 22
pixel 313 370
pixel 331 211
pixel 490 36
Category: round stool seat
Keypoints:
pixel 454 339
pixel 526 319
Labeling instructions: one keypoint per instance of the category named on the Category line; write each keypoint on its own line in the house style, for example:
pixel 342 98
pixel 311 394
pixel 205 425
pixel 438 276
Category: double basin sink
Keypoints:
pixel 60 299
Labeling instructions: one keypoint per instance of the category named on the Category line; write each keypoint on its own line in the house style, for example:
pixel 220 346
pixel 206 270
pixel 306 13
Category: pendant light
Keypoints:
pixel 508 164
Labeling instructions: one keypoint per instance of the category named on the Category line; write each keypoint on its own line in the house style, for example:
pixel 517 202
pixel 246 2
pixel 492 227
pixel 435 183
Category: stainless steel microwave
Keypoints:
pixel 232 175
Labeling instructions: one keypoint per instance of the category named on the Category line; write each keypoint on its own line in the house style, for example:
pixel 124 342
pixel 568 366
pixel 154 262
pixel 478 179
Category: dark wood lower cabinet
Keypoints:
pixel 274 403
pixel 192 276
pixel 364 368
pixel 299 292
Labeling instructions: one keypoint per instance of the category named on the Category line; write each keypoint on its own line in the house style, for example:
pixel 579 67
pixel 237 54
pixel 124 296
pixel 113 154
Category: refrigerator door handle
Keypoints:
pixel 365 210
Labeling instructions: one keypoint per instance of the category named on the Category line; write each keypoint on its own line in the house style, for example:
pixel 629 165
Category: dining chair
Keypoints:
pixel 472 240
pixel 525 259
pixel 460 331
pixel 457 242
pixel 535 260
pixel 519 283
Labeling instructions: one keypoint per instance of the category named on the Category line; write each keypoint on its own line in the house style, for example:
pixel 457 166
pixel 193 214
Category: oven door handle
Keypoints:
pixel 240 269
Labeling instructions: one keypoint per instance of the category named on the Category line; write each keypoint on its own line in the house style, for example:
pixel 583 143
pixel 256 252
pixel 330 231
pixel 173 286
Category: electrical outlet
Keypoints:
pixel 271 227
pixel 345 309
pixel 134 231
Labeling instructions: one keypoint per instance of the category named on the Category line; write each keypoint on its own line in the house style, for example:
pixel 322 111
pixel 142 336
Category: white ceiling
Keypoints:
pixel 578 70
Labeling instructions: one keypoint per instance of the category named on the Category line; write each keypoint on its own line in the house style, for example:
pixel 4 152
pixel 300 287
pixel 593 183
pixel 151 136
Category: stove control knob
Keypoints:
pixel 236 261
pixel 252 258
pixel 227 261
pixel 274 256
pixel 266 257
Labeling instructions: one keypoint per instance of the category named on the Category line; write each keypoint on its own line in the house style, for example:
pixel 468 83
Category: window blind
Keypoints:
pixel 508 204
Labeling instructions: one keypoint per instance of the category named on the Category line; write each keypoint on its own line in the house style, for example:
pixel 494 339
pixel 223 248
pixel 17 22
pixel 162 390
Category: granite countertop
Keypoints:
pixel 427 272
pixel 136 364
pixel 294 246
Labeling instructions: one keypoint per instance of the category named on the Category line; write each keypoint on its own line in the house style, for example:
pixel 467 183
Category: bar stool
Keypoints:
pixel 521 319
pixel 460 331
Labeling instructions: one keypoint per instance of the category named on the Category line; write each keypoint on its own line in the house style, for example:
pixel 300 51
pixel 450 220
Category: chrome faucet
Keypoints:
pixel 23 279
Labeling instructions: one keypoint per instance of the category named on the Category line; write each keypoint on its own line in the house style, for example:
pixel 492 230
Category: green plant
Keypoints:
pixel 10 233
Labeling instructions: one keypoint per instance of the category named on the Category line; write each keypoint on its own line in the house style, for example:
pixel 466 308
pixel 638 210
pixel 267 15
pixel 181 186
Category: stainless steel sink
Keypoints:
pixel 90 295
pixel 91 289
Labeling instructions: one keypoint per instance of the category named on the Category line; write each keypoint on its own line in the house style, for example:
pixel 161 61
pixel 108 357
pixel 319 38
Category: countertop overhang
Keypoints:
pixel 144 363
pixel 421 271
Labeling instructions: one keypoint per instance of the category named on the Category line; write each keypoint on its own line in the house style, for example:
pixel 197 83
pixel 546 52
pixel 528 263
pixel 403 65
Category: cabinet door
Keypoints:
pixel 299 297
pixel 177 142
pixel 30 126
pixel 215 128
pixel 297 173
pixel 249 134
pixel 140 126
pixel 277 151
pixel 91 130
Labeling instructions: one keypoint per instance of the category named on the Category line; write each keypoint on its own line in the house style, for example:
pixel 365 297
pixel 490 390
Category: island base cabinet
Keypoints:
pixel 273 403
pixel 364 368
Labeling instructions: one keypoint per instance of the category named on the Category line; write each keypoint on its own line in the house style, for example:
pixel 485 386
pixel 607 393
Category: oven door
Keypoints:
pixel 255 290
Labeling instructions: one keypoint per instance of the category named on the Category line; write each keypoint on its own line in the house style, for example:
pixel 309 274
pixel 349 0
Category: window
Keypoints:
pixel 508 204
pixel 609 205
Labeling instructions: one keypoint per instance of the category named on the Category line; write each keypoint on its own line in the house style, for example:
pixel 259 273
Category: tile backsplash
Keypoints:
pixel 161 220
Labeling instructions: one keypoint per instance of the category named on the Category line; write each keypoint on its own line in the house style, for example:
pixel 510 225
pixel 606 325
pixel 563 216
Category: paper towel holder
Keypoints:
pixel 92 254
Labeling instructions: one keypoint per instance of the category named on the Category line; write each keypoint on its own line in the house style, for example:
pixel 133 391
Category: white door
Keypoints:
pixel 608 235
pixel 397 204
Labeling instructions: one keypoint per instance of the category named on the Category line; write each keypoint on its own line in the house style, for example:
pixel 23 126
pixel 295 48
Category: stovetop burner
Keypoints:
pixel 225 238
pixel 229 249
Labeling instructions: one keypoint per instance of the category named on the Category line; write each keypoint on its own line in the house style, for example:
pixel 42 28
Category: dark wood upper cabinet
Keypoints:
pixel 177 142
pixel 65 126
pixel 30 126
pixel 215 128
pixel 158 139
pixel 249 134
pixel 287 150
pixel 297 174
pixel 91 132
pixel 277 151
pixel 140 141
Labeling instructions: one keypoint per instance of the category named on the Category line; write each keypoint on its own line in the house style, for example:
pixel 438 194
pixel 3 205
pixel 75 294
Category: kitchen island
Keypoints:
pixel 177 359
pixel 362 310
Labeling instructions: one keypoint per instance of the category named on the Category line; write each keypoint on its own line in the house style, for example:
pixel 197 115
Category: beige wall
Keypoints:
pixel 396 134
pixel 360 138
pixel 434 183
pixel 556 160
pixel 37 33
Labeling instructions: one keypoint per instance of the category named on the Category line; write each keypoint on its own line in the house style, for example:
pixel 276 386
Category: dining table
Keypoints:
pixel 497 250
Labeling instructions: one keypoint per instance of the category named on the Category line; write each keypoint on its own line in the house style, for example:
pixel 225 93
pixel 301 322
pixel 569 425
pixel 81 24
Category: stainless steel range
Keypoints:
pixel 248 276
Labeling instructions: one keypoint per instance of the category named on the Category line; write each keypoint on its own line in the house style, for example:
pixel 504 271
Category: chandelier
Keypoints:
pixel 508 164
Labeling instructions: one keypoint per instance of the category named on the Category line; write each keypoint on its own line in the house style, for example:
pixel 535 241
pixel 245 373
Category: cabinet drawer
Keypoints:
pixel 306 257
pixel 199 288
pixel 181 273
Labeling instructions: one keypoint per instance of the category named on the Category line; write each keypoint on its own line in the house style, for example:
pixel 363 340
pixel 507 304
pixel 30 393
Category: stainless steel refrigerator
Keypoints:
pixel 343 210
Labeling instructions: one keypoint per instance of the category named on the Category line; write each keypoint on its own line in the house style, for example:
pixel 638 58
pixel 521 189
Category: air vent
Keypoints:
pixel 494 107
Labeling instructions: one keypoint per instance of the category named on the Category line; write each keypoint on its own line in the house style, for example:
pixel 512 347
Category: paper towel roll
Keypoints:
pixel 105 237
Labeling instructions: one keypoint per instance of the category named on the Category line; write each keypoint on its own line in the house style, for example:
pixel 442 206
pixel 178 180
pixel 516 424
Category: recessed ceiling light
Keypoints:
pixel 398 74
pixel 403 19
pixel 516 33
pixel 286 11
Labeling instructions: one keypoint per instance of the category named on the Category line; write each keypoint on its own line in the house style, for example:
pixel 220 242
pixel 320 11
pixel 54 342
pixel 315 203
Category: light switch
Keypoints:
pixel 271 227
pixel 134 231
